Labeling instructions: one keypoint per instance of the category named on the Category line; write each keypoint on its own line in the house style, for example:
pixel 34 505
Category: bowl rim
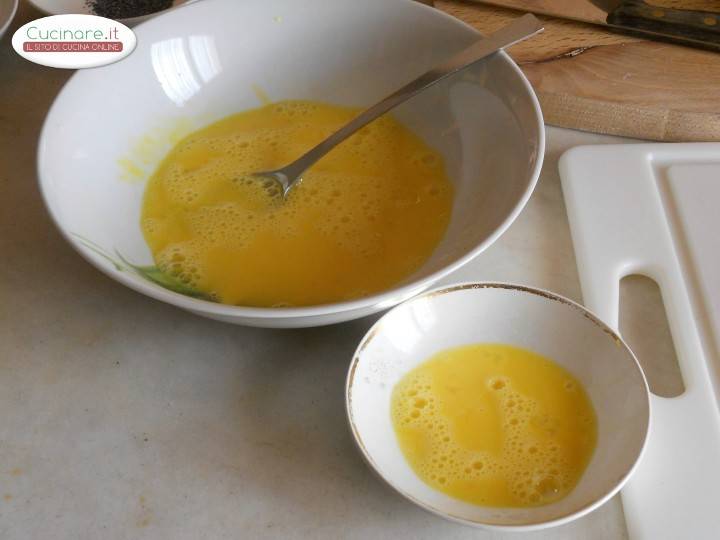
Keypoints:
pixel 525 289
pixel 389 296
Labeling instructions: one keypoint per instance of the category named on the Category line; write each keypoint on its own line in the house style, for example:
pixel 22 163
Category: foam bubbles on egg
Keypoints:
pixel 544 443
pixel 370 212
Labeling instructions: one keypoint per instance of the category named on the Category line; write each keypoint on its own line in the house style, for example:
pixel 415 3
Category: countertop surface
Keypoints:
pixel 123 417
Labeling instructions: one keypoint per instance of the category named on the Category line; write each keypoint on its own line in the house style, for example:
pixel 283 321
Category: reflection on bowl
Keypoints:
pixel 109 127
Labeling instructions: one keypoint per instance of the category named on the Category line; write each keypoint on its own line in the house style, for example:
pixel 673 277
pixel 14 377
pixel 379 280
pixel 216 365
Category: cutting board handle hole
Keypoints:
pixel 644 326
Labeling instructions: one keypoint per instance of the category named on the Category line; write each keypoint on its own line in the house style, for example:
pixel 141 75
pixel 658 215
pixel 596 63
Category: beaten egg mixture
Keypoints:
pixel 363 219
pixel 494 425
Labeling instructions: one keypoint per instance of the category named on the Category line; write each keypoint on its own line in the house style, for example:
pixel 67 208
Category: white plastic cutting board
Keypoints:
pixel 655 210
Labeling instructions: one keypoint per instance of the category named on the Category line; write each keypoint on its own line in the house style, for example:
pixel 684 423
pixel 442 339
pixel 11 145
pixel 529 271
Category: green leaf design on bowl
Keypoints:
pixel 150 273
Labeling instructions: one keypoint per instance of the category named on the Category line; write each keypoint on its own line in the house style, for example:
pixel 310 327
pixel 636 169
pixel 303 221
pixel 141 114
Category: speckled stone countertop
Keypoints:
pixel 123 417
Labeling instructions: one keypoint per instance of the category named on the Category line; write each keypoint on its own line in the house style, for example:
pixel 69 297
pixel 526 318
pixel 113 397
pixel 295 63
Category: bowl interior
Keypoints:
pixel 548 325
pixel 110 126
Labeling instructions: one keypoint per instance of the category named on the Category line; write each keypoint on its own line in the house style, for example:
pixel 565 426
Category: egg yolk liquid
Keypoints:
pixel 494 425
pixel 364 218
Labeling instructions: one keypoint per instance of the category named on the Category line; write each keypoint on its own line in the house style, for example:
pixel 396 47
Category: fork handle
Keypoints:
pixel 519 30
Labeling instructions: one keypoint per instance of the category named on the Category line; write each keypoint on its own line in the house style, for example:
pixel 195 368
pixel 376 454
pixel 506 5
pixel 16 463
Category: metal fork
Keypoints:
pixel 518 30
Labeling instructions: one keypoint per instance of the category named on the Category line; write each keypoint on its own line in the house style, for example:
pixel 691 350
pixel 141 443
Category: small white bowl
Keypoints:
pixel 524 317
pixel 62 7
pixel 8 8
pixel 209 59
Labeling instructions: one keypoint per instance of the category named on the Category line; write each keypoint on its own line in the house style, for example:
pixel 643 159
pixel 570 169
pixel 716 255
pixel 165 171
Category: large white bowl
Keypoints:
pixel 533 319
pixel 203 61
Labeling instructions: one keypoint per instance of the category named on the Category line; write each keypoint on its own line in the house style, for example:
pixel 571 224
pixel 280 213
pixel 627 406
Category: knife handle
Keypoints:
pixel 677 25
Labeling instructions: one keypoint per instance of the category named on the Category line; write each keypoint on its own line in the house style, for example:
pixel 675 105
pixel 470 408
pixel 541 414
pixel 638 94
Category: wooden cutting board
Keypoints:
pixel 591 79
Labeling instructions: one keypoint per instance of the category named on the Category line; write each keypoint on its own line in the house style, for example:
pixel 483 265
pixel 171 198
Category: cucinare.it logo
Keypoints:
pixel 74 41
